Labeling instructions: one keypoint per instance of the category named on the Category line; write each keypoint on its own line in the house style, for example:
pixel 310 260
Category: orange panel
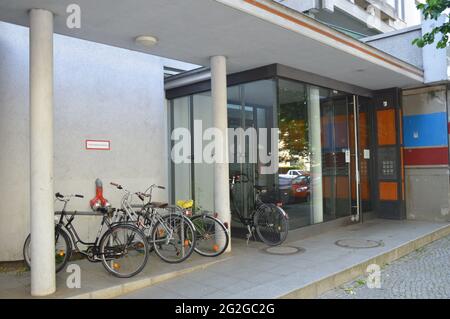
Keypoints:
pixel 365 189
pixel 363 131
pixel 386 127
pixel 388 191
pixel 342 187
pixel 326 187
pixel 401 157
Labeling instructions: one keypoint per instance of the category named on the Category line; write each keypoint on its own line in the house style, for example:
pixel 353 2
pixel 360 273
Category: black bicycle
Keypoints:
pixel 122 249
pixel 270 221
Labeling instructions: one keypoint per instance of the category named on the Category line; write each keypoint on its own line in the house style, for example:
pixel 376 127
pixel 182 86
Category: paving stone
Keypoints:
pixel 422 274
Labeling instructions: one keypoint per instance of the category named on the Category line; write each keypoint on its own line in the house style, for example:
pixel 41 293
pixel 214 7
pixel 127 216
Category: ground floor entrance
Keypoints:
pixel 322 148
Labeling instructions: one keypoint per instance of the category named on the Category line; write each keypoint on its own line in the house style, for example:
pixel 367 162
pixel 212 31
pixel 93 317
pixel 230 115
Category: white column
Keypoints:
pixel 220 122
pixel 41 153
pixel 316 154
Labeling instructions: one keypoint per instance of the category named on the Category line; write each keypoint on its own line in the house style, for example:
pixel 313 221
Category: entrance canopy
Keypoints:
pixel 251 33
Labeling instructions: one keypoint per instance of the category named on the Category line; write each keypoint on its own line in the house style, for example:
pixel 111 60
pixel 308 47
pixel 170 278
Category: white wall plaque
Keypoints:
pixel 98 145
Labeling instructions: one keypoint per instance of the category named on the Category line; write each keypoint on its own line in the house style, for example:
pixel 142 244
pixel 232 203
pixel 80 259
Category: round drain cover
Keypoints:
pixel 283 250
pixel 358 243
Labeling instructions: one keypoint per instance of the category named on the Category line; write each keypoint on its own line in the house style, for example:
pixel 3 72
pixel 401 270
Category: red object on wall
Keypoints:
pixel 98 201
pixel 426 156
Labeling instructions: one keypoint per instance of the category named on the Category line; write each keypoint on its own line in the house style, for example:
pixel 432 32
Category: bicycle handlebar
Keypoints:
pixel 61 196
pixel 117 185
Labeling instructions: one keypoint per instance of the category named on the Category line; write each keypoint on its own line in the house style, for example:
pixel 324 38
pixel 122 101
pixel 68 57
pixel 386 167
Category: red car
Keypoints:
pixel 301 188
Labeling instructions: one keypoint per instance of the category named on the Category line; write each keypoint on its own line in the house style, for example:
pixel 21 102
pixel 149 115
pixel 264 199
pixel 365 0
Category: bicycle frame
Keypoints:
pixel 245 221
pixel 67 226
pixel 153 216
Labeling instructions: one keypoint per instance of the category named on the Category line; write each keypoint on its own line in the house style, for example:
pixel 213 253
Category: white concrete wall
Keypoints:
pixel 399 44
pixel 100 92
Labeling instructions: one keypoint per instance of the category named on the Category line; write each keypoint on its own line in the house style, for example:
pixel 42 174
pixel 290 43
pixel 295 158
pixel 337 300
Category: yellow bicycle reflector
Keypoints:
pixel 116 266
pixel 186 243
pixel 61 253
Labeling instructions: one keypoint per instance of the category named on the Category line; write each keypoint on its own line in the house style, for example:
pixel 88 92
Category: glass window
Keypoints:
pixel 203 172
pixel 181 171
pixel 314 178
pixel 315 175
pixel 295 152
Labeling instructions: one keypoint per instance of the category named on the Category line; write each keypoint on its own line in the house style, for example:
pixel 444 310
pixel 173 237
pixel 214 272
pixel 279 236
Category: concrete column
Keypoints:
pixel 220 122
pixel 41 153
pixel 316 154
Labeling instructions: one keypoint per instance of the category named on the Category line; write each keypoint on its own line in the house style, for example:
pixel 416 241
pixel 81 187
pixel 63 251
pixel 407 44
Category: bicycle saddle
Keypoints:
pixel 159 205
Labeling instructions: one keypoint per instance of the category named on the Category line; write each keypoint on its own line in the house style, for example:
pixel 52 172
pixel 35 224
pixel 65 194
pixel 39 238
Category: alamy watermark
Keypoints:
pixel 235 145
pixel 374 276
pixel 73 281
pixel 73 20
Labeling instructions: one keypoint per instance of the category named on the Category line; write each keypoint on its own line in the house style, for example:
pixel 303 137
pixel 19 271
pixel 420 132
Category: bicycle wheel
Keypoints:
pixel 63 250
pixel 124 250
pixel 271 224
pixel 211 236
pixel 174 239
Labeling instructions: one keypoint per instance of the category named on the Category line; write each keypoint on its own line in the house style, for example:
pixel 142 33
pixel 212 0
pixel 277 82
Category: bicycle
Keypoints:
pixel 172 236
pixel 212 236
pixel 270 221
pixel 122 249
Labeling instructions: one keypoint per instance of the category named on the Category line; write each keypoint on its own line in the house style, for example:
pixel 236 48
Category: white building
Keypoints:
pixel 96 83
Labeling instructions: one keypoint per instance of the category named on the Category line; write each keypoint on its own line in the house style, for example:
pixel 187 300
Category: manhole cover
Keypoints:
pixel 283 250
pixel 358 243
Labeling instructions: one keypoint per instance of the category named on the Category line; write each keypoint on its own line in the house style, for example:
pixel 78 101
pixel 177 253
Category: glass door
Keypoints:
pixel 360 156
pixel 336 156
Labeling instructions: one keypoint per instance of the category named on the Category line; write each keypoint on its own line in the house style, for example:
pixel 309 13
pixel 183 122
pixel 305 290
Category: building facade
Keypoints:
pixel 364 126
pixel 360 18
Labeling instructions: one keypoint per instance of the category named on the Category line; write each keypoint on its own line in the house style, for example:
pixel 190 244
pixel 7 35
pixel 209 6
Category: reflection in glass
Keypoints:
pixel 182 171
pixel 294 178
pixel 203 172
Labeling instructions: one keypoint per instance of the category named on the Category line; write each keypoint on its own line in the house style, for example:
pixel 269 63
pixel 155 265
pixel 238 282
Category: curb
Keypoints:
pixel 122 289
pixel 339 278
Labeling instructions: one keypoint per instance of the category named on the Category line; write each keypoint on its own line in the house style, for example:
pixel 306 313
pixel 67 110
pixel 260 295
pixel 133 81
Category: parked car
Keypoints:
pixel 294 188
pixel 301 188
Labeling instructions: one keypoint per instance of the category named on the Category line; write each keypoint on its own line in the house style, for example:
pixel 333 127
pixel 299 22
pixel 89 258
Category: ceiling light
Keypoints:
pixel 146 41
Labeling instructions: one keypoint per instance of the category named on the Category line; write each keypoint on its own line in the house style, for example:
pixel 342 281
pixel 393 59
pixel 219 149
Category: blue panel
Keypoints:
pixel 425 130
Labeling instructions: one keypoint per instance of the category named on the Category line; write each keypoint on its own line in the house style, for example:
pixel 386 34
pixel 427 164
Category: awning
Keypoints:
pixel 251 33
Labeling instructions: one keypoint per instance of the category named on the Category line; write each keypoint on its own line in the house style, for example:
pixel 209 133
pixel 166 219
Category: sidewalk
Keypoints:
pixel 250 271
pixel 253 273
pixel 96 282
